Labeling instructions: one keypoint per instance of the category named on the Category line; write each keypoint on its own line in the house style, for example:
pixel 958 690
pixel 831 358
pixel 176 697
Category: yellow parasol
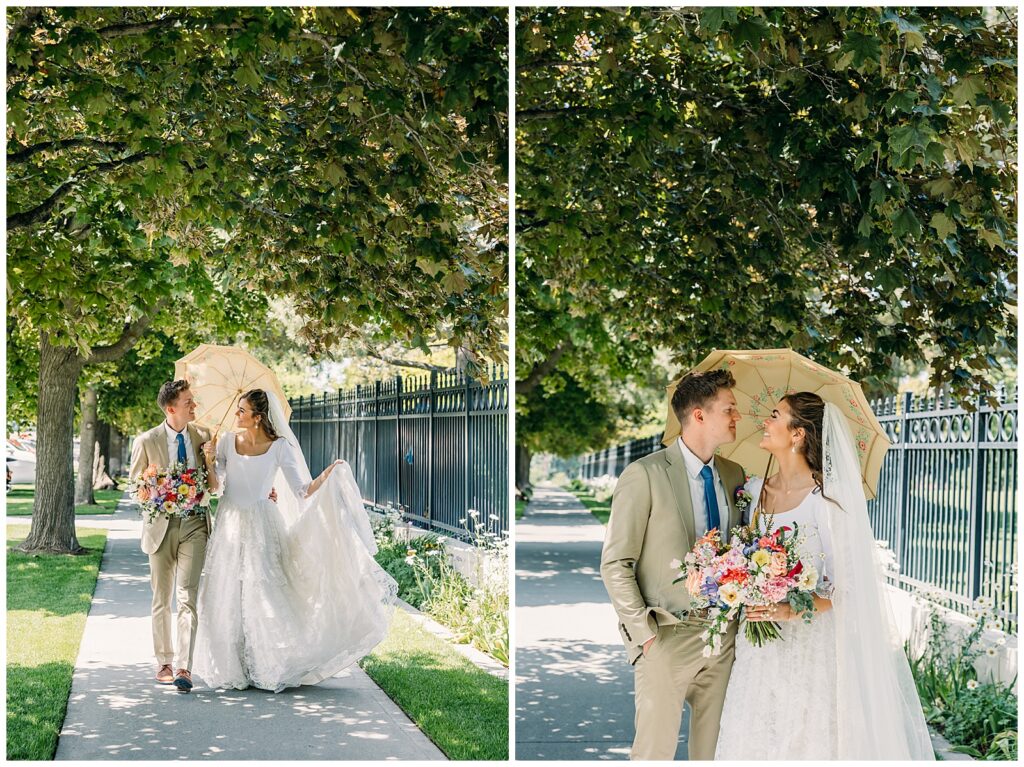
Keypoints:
pixel 763 377
pixel 218 376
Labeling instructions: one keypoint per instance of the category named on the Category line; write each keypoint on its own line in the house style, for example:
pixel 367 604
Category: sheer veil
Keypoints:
pixel 340 485
pixel 879 711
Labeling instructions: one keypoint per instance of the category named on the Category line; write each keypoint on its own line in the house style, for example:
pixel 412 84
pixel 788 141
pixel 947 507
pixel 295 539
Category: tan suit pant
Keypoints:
pixel 174 569
pixel 674 672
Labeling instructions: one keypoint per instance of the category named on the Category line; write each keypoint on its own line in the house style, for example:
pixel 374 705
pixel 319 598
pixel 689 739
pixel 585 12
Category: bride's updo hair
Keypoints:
pixel 809 414
pixel 260 404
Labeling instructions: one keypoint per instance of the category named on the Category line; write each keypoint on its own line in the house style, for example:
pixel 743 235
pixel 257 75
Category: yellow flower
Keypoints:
pixel 761 558
pixel 183 489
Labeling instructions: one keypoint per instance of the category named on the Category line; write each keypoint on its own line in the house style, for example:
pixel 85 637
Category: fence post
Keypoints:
pixel 977 497
pixel 376 436
pixel 903 484
pixel 430 447
pixel 465 481
pixel 398 439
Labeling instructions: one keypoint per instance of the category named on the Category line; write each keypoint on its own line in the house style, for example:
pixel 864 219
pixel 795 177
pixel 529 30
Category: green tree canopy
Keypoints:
pixel 837 180
pixel 165 163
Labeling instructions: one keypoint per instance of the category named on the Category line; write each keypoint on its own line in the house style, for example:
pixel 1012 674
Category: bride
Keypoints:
pixel 290 593
pixel 840 686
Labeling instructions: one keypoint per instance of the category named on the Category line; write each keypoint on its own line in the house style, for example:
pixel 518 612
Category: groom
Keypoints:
pixel 176 546
pixel 662 504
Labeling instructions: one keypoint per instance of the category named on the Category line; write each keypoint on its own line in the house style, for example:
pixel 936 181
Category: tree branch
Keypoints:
pixel 28 18
pixel 548 64
pixel 129 335
pixel 406 363
pixel 43 210
pixel 69 143
pixel 542 369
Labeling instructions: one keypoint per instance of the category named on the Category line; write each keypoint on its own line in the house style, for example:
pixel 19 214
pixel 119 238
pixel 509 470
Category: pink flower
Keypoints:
pixel 777 566
pixel 144 494
pixel 693 580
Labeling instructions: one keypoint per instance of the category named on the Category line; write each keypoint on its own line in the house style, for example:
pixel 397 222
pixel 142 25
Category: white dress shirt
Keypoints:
pixel 693 468
pixel 172 446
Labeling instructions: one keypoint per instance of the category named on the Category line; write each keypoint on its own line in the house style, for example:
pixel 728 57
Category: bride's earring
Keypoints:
pixel 793 449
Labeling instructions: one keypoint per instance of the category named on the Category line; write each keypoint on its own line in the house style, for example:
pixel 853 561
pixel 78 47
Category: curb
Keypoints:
pixel 479 659
pixel 944 749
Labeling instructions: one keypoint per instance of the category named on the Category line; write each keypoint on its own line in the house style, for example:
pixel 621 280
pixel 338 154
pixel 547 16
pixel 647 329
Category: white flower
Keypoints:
pixel 706 652
pixel 1001 642
pixel 495 517
pixel 474 513
pixel 675 564
pixel 991 652
pixel 410 560
pixel 972 684
pixel 729 593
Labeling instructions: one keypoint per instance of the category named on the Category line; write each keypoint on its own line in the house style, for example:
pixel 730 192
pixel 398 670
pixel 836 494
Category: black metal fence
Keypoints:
pixel 435 446
pixel 947 495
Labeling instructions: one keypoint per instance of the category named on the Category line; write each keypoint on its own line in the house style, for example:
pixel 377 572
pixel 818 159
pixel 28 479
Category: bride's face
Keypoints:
pixel 778 437
pixel 243 415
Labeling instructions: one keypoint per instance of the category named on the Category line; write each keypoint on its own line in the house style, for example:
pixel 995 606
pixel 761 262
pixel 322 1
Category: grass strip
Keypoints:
pixel 48 598
pixel 460 707
pixel 520 508
pixel 600 509
pixel 19 502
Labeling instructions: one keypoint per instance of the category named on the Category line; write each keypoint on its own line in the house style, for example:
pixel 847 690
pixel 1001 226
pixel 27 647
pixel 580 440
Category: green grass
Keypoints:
pixel 48 598
pixel 19 502
pixel 600 509
pixel 520 508
pixel 461 708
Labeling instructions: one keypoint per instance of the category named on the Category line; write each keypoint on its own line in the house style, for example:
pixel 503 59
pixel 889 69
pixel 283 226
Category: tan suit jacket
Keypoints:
pixel 151 448
pixel 651 524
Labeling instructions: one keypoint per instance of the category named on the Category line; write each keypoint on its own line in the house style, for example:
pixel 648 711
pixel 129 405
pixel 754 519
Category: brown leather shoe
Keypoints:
pixel 164 675
pixel 183 680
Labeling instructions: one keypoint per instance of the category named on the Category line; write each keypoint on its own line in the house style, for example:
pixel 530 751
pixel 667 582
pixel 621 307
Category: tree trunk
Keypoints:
pixel 522 468
pixel 101 479
pixel 116 449
pixel 86 450
pixel 53 512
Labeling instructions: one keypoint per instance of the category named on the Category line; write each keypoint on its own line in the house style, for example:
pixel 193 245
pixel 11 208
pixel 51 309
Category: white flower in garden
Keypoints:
pixel 1001 641
pixel 495 517
pixel 462 521
pixel 991 652
pixel 972 684
pixel 410 560
pixel 474 513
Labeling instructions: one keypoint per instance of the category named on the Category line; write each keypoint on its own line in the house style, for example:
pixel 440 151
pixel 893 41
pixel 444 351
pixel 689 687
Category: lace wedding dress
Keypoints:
pixel 781 699
pixel 285 602
pixel 841 686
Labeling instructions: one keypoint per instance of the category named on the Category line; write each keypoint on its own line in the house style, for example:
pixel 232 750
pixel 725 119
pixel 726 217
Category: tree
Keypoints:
pixel 837 180
pixel 163 160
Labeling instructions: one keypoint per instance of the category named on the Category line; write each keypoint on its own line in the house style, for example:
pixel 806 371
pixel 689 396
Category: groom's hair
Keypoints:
pixel 697 390
pixel 170 392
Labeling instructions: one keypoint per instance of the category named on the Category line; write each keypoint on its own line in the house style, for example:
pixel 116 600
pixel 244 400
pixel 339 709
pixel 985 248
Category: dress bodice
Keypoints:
pixel 809 517
pixel 247 479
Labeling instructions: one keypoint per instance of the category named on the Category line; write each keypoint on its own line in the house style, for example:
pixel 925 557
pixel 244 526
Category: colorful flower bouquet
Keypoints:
pixel 752 570
pixel 174 492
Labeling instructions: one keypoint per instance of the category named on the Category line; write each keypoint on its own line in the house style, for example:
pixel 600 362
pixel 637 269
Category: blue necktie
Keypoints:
pixel 710 497
pixel 183 459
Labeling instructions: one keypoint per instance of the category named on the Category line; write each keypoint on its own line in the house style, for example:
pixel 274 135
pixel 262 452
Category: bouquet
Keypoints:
pixel 752 570
pixel 173 492
pixel 775 573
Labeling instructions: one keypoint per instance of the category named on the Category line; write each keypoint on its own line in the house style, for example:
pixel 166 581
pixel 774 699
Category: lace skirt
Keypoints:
pixel 781 702
pixel 276 610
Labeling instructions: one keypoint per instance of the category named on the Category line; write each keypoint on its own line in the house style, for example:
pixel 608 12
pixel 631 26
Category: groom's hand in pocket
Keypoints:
pixel 647 645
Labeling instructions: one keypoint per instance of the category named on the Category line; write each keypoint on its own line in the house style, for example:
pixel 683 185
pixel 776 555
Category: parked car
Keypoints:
pixel 22 465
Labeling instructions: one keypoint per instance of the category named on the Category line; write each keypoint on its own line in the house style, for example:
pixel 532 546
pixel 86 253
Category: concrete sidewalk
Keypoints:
pixel 117 711
pixel 574 688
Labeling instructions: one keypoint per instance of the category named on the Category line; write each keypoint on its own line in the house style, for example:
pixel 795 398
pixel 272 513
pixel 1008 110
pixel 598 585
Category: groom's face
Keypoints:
pixel 183 408
pixel 720 418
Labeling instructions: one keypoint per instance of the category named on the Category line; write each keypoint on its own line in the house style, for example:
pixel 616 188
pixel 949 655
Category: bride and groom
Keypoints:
pixel 283 590
pixel 838 687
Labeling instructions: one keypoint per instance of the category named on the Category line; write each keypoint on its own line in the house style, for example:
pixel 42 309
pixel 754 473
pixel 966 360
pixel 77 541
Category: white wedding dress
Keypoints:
pixel 781 700
pixel 839 688
pixel 286 602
